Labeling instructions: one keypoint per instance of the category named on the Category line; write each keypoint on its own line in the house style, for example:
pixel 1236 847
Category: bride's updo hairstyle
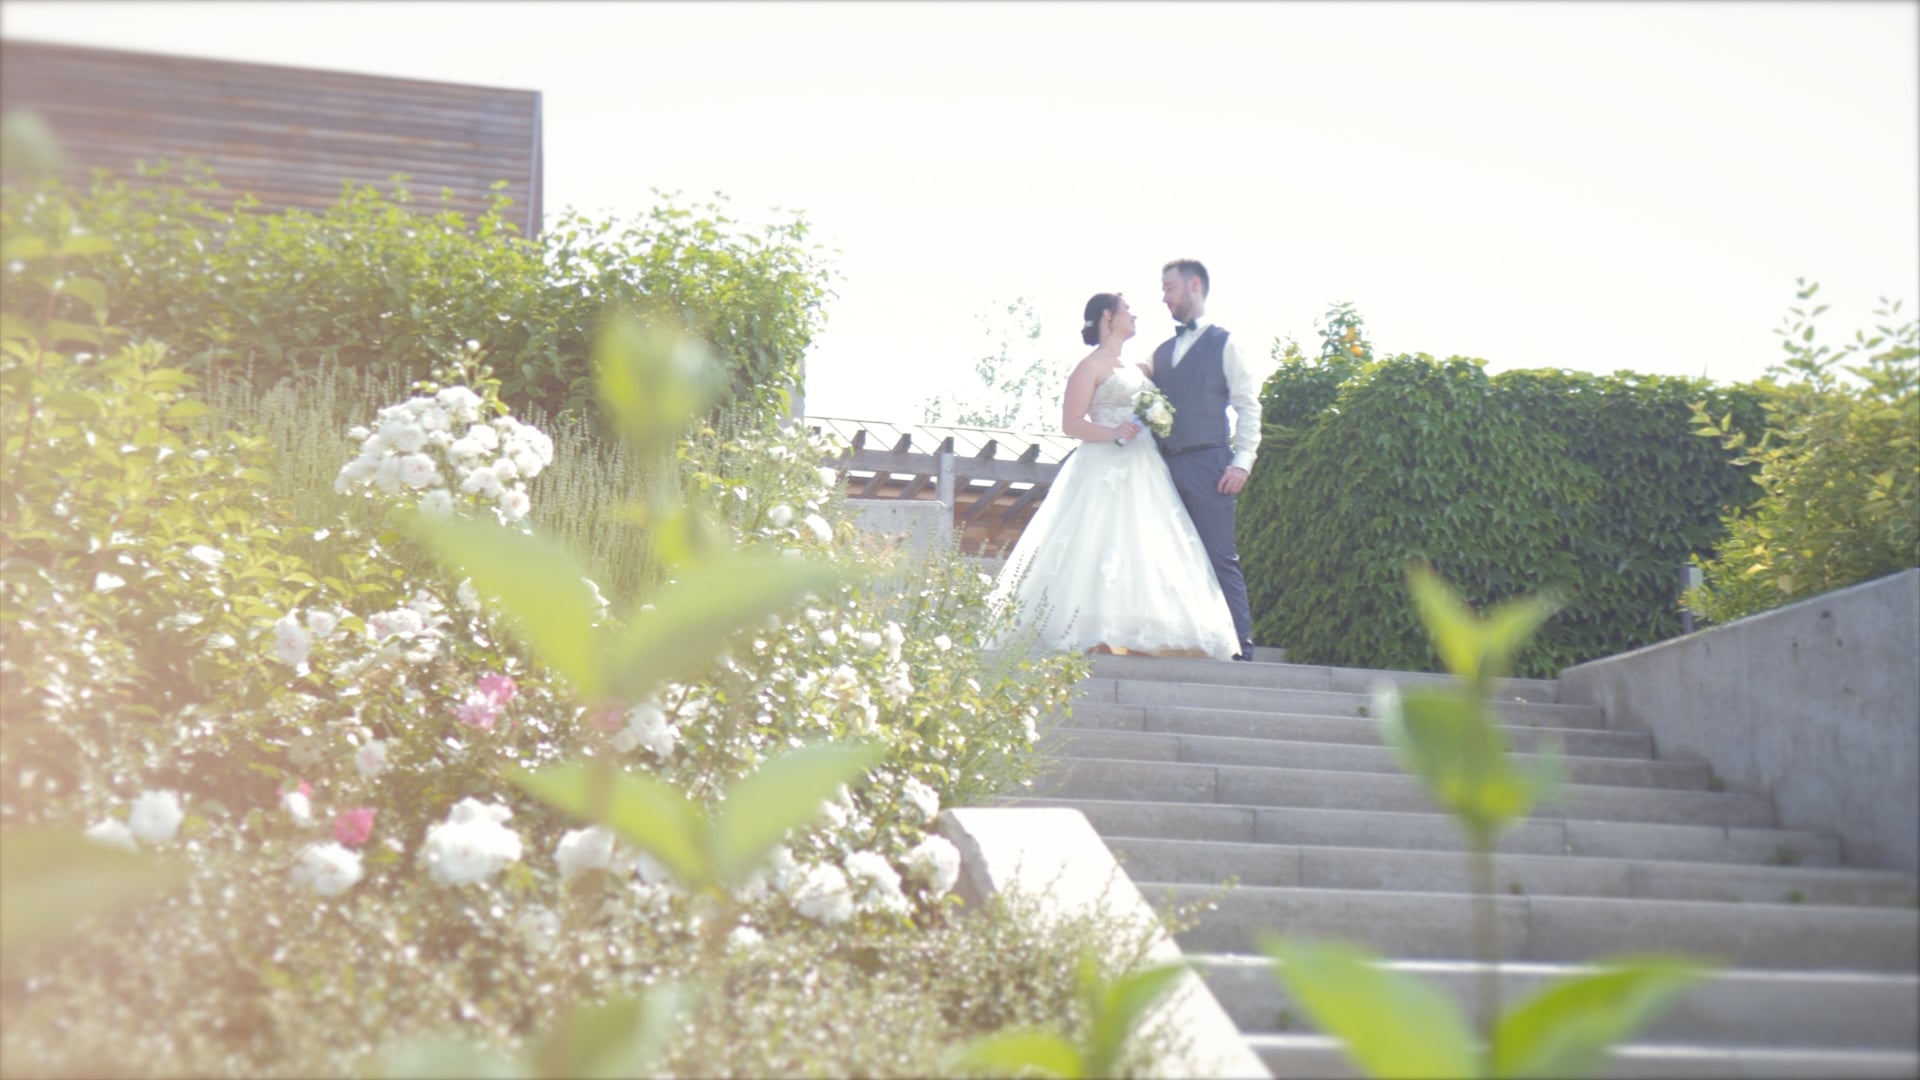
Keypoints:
pixel 1097 307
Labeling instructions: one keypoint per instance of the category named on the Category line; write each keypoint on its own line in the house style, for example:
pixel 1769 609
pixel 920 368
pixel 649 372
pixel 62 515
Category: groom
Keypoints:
pixel 1202 372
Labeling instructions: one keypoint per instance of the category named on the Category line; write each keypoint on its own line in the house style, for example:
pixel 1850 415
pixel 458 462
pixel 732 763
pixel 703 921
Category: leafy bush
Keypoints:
pixel 1839 472
pixel 378 287
pixel 209 650
pixel 1513 483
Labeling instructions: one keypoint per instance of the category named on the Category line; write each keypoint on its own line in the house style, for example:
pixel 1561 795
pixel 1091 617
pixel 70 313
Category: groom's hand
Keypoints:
pixel 1233 480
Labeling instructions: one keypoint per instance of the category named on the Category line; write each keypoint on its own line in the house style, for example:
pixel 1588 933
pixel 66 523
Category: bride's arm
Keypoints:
pixel 1076 402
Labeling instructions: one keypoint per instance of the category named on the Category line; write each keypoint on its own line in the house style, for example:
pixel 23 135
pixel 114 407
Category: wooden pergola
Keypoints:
pixel 992 496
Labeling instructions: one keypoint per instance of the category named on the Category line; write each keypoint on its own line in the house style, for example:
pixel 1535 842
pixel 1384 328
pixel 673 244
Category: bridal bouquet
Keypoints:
pixel 1153 410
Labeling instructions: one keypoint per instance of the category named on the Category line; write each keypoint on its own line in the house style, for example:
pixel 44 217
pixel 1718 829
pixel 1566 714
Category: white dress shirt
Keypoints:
pixel 1243 391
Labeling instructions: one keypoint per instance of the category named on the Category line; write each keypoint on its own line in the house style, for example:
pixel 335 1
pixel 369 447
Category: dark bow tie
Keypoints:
pixel 1186 327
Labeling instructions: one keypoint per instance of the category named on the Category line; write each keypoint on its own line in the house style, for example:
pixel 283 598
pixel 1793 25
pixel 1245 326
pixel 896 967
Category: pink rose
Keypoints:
pixel 478 712
pixel 499 689
pixel 353 827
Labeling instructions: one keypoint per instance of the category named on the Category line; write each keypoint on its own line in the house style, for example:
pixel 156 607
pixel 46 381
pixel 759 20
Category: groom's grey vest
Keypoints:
pixel 1197 388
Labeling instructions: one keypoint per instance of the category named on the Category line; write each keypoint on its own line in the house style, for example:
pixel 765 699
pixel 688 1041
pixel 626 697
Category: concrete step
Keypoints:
pixel 1321 1056
pixel 1339 757
pixel 1278 676
pixel 1099 691
pixel 1732 1007
pixel 1432 831
pixel 1252 785
pixel 1566 929
pixel 1269 654
pixel 1354 730
pixel 1205 863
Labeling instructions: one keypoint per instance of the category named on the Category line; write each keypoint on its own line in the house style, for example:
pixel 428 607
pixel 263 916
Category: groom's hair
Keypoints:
pixel 1190 269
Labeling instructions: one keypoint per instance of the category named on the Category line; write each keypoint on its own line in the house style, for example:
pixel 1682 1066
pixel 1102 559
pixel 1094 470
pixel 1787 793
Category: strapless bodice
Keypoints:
pixel 1113 398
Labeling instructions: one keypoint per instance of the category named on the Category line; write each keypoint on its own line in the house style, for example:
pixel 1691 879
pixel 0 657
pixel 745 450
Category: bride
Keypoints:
pixel 1110 561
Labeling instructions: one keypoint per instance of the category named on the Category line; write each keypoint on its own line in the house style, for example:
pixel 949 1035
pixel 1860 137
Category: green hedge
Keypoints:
pixel 376 285
pixel 1593 486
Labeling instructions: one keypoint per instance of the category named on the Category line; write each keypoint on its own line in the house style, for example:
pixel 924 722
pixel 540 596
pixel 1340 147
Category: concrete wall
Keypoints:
pixel 921 525
pixel 1052 853
pixel 1816 704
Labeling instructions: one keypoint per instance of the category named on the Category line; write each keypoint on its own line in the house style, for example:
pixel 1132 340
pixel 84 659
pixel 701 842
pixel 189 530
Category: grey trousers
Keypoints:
pixel 1196 476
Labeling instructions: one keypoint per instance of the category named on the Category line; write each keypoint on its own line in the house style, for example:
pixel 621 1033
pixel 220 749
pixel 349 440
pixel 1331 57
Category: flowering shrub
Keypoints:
pixel 325 730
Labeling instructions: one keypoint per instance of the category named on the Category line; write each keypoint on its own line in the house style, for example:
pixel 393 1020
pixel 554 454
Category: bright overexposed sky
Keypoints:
pixel 1595 186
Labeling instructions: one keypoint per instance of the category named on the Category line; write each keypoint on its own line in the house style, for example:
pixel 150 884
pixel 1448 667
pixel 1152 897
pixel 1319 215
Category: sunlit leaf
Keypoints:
pixel 1017 1053
pixel 1448 739
pixel 692 617
pixel 785 793
pixel 86 244
pixel 1565 1029
pixel 87 291
pixel 653 380
pixel 1121 1006
pixel 541 584
pixel 1507 628
pixel 1451 625
pixel 440 1058
pixel 52 878
pixel 650 814
pixel 1390 1024
pixel 609 1039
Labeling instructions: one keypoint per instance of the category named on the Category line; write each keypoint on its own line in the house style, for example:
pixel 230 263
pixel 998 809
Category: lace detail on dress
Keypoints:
pixel 1113 398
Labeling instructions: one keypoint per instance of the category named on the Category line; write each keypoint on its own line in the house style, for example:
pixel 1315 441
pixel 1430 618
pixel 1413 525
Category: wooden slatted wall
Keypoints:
pixel 288 135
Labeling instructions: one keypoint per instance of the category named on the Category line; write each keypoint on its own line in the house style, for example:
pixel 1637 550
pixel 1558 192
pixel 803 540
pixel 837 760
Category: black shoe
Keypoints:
pixel 1244 657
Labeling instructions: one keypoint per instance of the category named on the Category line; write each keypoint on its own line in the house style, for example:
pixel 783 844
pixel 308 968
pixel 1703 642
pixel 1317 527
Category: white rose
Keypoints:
pixel 781 516
pixel 828 478
pixel 819 527
pixel 471 845
pixel 322 623
pixel 386 476
pixel 541 928
pixel 405 438
pixel 942 642
pixel 869 641
pixel 437 503
pixel 468 596
pixel 371 759
pixel 112 833
pixel 484 436
pixel 924 799
pixel 417 470
pixel 328 869
pixel 935 861
pixel 290 640
pixel 298 807
pixel 514 504
pixel 581 850
pixel 744 937
pixel 875 884
pixel 821 894
pixel 462 403
pixel 156 816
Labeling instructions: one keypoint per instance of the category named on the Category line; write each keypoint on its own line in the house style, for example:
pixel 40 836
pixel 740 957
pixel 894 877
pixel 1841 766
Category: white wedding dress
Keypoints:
pixel 1111 556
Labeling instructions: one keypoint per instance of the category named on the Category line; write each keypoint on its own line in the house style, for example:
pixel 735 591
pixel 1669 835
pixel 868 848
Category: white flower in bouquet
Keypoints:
pixel 472 845
pixel 1154 410
pixel 156 816
pixel 328 869
pixel 820 893
pixel 935 861
pixel 112 832
pixel 922 798
pixel 875 884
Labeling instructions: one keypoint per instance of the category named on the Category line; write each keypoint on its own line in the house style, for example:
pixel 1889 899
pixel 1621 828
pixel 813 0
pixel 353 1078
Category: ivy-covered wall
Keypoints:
pixel 1592 486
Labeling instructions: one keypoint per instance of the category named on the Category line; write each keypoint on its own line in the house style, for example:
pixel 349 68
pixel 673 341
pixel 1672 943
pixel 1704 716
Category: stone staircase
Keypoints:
pixel 1273 775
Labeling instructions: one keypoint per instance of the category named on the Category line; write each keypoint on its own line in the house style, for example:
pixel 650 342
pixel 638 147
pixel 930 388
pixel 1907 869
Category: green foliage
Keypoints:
pixel 376 285
pixel 1389 1023
pixel 1839 471
pixel 1530 480
pixel 1019 385
pixel 1113 1011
